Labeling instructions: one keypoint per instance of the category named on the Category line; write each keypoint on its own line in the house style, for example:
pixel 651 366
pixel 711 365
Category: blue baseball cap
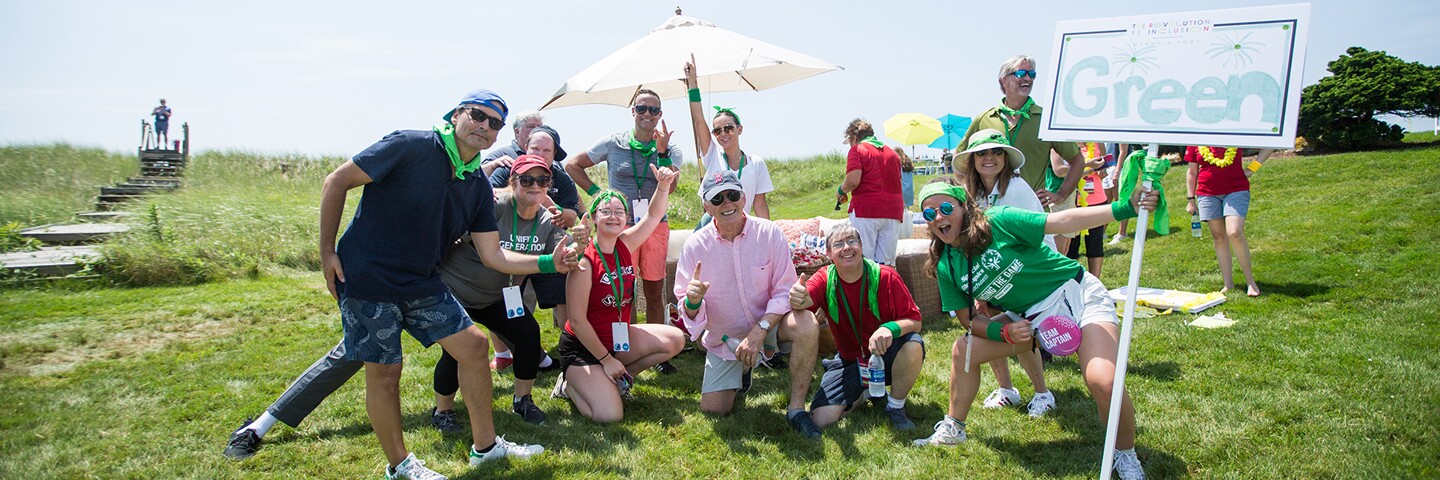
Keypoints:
pixel 482 97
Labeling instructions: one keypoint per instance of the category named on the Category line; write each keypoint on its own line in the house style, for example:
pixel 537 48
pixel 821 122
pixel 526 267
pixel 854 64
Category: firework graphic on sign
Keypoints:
pixel 1133 58
pixel 1235 48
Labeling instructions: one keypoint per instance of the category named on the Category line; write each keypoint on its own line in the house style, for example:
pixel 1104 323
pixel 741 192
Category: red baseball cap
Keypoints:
pixel 527 162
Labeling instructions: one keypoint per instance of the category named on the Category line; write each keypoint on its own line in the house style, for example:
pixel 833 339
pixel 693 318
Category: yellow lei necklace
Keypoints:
pixel 1219 162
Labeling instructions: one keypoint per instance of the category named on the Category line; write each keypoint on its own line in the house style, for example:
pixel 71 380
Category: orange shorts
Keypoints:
pixel 652 253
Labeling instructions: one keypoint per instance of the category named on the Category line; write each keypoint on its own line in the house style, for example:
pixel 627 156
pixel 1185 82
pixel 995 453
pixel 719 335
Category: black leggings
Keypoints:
pixel 1094 244
pixel 521 333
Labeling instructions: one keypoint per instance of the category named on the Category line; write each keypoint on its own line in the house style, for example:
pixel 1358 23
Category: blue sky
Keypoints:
pixel 331 77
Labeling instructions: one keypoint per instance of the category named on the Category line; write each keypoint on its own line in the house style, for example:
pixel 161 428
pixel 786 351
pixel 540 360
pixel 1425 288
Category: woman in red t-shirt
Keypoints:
pixel 596 371
pixel 1218 187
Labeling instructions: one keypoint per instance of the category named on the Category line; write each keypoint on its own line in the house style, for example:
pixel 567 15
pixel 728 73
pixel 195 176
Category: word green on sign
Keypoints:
pixel 1229 94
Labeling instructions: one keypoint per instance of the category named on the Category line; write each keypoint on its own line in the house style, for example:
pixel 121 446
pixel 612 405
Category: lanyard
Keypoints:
pixel 617 284
pixel 638 172
pixel 514 222
pixel 1009 132
pixel 743 161
pixel 851 315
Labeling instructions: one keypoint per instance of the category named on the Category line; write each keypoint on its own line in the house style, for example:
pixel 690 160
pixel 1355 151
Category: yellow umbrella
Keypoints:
pixel 913 129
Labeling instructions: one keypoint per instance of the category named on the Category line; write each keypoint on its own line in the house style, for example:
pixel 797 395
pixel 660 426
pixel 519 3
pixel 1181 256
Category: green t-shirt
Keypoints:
pixel 1027 140
pixel 1015 272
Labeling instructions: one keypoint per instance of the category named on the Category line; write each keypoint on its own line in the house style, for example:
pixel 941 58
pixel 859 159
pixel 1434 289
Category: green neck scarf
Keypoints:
pixel 1022 112
pixel 447 137
pixel 645 149
pixel 870 275
pixel 873 141
pixel 1141 166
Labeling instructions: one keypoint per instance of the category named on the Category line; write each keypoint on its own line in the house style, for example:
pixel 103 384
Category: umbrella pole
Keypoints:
pixel 1127 326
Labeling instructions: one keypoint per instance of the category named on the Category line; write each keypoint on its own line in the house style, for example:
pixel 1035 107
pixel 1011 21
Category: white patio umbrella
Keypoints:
pixel 727 61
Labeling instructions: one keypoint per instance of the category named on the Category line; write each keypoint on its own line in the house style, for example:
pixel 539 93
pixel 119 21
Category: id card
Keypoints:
pixel 514 308
pixel 620 337
pixel 639 208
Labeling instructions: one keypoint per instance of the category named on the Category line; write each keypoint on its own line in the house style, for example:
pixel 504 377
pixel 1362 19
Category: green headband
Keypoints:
pixel 719 110
pixel 605 196
pixel 941 188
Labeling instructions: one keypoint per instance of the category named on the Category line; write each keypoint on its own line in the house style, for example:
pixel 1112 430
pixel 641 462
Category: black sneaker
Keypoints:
pixel 805 425
pixel 666 368
pixel 899 419
pixel 526 409
pixel 554 363
pixel 445 421
pixel 745 381
pixel 243 443
pixel 778 362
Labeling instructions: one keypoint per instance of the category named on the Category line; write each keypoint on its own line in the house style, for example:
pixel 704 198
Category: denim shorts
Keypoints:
pixel 1234 204
pixel 372 329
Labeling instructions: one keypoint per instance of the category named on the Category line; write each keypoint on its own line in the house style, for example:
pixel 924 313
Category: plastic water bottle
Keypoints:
pixel 731 342
pixel 1195 225
pixel 877 376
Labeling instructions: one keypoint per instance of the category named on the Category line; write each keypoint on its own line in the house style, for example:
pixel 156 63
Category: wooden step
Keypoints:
pixel 137 190
pixel 103 216
pixel 50 261
pixel 155 180
pixel 153 187
pixel 74 233
pixel 116 198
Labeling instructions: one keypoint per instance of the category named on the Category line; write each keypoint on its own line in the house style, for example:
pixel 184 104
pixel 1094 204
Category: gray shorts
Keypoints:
pixel 372 329
pixel 721 374
pixel 1235 204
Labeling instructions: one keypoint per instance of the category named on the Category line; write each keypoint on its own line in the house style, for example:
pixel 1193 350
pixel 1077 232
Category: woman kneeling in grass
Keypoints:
pixel 998 256
pixel 600 360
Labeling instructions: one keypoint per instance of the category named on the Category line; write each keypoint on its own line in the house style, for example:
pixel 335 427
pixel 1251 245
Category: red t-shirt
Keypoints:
pixel 878 195
pixel 895 304
pixel 601 310
pixel 1214 181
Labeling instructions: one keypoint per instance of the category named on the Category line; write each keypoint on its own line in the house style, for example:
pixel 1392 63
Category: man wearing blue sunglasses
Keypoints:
pixel 1018 117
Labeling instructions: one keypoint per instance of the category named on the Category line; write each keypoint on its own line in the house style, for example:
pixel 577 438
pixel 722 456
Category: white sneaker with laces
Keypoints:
pixel 1115 240
pixel 1041 403
pixel 1002 397
pixel 503 449
pixel 559 391
pixel 411 469
pixel 947 434
pixel 1127 465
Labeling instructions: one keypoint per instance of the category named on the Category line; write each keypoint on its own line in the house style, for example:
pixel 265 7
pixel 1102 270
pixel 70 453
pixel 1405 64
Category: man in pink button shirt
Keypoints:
pixel 743 295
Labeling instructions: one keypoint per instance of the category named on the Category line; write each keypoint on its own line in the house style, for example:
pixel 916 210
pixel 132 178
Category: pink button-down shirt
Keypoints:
pixel 749 278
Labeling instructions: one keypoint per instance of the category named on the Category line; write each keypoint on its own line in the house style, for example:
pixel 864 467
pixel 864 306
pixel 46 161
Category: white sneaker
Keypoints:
pixel 504 449
pixel 559 391
pixel 1115 240
pixel 1127 465
pixel 947 434
pixel 1002 397
pixel 414 469
pixel 1042 403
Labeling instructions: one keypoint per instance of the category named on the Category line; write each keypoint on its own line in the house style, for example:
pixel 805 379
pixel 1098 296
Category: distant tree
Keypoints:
pixel 1338 112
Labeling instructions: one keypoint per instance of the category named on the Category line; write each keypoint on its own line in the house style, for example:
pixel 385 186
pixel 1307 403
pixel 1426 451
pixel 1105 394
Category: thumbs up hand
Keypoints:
pixel 799 294
pixel 695 291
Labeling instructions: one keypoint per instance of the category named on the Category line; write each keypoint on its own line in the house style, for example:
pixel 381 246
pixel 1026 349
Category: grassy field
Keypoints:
pixel 1331 374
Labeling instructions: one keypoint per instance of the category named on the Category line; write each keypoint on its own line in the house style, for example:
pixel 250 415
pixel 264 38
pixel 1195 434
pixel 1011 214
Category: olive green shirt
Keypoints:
pixel 1027 140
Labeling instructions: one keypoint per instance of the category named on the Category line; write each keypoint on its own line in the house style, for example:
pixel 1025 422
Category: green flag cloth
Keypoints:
pixel 1140 166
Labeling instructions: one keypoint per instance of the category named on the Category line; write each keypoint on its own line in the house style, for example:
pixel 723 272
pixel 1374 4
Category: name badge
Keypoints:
pixel 514 308
pixel 620 337
pixel 640 207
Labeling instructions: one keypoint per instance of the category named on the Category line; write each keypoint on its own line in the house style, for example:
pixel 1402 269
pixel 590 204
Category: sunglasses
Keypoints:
pixel 839 244
pixel 528 181
pixel 495 123
pixel 997 151
pixel 1023 73
pixel 722 129
pixel 946 208
pixel 643 109
pixel 721 197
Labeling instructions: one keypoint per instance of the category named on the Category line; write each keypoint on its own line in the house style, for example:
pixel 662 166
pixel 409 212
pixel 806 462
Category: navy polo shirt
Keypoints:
pixel 408 216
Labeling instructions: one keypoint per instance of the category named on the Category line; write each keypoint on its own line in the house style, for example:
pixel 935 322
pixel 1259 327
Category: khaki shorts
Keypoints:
pixel 721 374
pixel 652 253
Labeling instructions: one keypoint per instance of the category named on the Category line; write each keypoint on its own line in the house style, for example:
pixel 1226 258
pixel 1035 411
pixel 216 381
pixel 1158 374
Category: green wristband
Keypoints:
pixel 690 306
pixel 694 94
pixel 1123 210
pixel 995 331
pixel 893 327
pixel 594 189
pixel 547 263
pixel 663 161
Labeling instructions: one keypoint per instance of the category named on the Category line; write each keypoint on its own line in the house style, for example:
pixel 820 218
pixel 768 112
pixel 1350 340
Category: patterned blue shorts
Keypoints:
pixel 372 329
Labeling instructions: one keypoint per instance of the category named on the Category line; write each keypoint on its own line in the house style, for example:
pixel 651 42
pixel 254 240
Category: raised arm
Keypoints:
pixel 637 233
pixel 697 117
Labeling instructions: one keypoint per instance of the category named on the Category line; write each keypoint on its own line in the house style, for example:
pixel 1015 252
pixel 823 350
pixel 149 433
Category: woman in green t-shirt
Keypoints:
pixel 997 257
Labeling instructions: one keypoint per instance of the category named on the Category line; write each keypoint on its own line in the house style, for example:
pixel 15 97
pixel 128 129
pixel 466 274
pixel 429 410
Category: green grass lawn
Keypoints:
pixel 1331 374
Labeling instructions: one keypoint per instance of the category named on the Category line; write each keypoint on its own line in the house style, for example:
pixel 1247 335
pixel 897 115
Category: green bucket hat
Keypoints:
pixel 987 139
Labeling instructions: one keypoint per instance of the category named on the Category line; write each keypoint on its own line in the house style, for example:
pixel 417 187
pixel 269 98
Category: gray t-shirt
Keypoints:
pixel 621 163
pixel 477 286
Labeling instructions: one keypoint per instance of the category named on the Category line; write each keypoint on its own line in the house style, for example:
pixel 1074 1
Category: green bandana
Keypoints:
pixel 870 275
pixel 1022 112
pixel 873 141
pixel 941 188
pixel 1141 164
pixel 447 137
pixel 644 149
pixel 719 110
pixel 605 196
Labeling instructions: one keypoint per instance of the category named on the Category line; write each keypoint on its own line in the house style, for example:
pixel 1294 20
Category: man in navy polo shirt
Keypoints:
pixel 422 191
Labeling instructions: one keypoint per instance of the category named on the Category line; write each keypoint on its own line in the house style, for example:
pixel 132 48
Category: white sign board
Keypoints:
pixel 1217 77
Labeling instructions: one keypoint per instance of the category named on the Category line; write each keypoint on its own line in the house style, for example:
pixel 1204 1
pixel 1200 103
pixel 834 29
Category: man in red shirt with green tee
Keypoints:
pixel 869 310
